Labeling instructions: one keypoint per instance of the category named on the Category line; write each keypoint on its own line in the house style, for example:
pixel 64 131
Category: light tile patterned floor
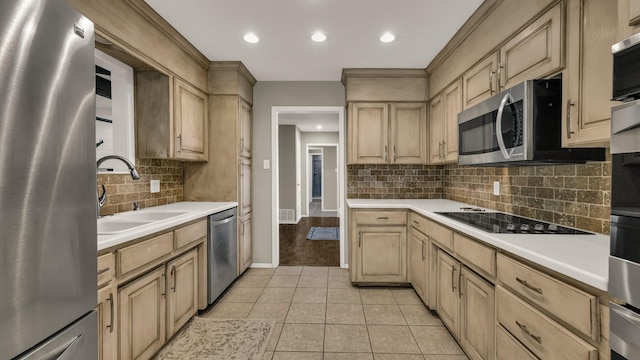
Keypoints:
pixel 320 316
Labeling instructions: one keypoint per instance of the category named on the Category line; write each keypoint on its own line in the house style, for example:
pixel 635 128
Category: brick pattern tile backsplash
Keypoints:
pixel 394 181
pixel 572 195
pixel 122 191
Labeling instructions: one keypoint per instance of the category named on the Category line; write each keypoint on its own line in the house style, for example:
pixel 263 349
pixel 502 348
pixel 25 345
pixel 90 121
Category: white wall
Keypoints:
pixel 330 178
pixel 287 166
pixel 265 95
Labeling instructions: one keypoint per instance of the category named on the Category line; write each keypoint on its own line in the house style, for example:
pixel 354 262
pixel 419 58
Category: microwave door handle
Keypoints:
pixel 503 148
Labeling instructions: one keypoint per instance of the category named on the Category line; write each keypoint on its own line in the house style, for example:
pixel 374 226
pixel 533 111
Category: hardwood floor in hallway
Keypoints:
pixel 295 249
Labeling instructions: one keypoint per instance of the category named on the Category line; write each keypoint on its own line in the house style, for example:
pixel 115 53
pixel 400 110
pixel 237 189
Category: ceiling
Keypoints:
pixel 309 122
pixel 353 28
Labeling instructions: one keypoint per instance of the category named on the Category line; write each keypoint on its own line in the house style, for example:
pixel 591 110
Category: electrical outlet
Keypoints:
pixel 496 188
pixel 155 186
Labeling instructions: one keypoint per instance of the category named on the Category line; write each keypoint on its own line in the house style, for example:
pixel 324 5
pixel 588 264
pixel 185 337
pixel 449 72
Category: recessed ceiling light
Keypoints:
pixel 318 36
pixel 319 127
pixel 387 37
pixel 251 38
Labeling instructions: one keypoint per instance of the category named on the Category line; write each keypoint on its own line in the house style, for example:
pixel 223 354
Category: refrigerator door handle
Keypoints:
pixel 68 353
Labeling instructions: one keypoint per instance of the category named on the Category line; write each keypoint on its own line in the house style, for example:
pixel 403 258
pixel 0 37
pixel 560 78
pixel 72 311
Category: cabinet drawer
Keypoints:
pixel 476 254
pixel 135 256
pixel 420 223
pixel 190 233
pixel 441 234
pixel 106 269
pixel 544 337
pixel 576 307
pixel 381 217
pixel 508 348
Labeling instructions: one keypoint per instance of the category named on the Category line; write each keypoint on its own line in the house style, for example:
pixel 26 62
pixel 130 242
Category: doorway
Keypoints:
pixel 314 179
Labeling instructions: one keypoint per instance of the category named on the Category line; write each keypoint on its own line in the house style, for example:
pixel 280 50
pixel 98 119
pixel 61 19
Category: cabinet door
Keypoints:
pixel 436 129
pixel 477 316
pixel 587 80
pixel 245 129
pixel 142 319
pixel 245 245
pixel 535 52
pixel 480 82
pixel 368 133
pixel 107 330
pixel 245 186
pixel 453 105
pixel 408 144
pixel 183 291
pixel 190 122
pixel 447 303
pixel 381 254
pixel 418 261
pixel 634 12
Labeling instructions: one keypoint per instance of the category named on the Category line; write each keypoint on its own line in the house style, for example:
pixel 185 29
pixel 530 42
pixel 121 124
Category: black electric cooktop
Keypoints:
pixel 496 222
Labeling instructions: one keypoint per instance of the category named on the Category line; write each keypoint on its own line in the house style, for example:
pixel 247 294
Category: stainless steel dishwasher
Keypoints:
pixel 222 252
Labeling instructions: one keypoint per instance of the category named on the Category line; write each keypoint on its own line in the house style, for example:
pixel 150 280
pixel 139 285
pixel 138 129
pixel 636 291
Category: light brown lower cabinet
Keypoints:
pixel 182 302
pixel 107 329
pixel 466 305
pixel 418 245
pixel 540 334
pixel 155 306
pixel 381 254
pixel 477 315
pixel 245 245
pixel 142 309
pixel 448 302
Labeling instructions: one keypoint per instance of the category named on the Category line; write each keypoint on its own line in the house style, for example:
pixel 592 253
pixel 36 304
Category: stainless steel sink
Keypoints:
pixel 117 226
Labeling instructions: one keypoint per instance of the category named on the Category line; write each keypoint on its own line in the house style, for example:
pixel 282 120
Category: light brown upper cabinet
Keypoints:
pixel 245 112
pixel 171 118
pixel 443 124
pixel 534 52
pixel 381 133
pixel 587 80
pixel 190 122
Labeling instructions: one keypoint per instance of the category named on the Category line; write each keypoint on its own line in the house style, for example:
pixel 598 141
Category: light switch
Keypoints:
pixel 155 186
pixel 265 164
pixel 496 188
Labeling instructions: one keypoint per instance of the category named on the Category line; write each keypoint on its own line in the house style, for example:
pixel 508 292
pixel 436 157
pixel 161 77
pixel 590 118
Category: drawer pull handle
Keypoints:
pixel 416 222
pixel 453 276
pixel 525 330
pixel 102 271
pixel 529 286
pixel 110 300
pixel 383 218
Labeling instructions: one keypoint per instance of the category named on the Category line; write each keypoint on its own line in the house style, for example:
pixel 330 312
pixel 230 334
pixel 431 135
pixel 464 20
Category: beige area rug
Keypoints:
pixel 220 339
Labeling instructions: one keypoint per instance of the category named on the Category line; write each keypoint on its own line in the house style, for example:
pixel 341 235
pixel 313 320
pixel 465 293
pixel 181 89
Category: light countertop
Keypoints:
pixel 194 210
pixel 581 257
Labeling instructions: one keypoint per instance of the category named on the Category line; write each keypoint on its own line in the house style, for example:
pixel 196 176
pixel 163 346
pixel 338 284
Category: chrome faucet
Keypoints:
pixel 102 199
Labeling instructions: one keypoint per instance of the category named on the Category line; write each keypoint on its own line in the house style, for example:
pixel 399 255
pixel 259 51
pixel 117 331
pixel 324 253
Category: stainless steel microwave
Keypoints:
pixel 626 73
pixel 519 126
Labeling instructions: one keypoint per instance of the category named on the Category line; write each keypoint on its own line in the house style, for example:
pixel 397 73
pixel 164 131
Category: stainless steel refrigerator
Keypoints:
pixel 47 182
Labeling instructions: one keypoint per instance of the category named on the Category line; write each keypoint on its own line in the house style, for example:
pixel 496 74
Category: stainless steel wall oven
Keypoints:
pixel 624 259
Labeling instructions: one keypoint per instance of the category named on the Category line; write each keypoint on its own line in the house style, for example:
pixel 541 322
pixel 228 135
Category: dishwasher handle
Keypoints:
pixel 224 221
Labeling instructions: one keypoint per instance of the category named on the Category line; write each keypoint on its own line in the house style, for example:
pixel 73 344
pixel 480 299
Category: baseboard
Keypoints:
pixel 288 222
pixel 261 265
